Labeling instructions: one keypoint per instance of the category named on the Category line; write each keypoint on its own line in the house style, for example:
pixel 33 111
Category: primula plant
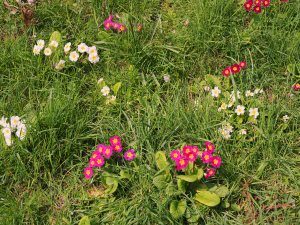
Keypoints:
pixel 105 158
pixel 186 179
pixel 109 93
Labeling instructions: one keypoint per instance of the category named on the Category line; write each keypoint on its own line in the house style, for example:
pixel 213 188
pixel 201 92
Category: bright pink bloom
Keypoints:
pixel 95 154
pixel 257 9
pixel 115 140
pixel 210 172
pixel 296 87
pixel 191 157
pixel 195 150
pixel 175 155
pixel 226 72
pixel 266 3
pixel 243 65
pixel 100 148
pixel 206 157
pixel 108 151
pixel 122 28
pixel 210 147
pixel 107 24
pixel 129 155
pixel 248 5
pixel 117 148
pixel 88 172
pixel 115 26
pixel 235 68
pixel 92 162
pixel 257 2
pixel 187 149
pixel 181 163
pixel 100 161
pixel 216 161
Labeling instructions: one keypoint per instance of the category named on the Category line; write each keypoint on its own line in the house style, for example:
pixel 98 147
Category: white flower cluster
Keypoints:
pixel 226 130
pixel 14 125
pixel 106 91
pixel 82 48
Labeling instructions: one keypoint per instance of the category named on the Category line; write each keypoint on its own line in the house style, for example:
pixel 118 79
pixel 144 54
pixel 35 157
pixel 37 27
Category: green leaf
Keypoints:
pixel 55 36
pixel 207 198
pixel 235 207
pixel 225 205
pixel 182 185
pixel 112 183
pixel 213 80
pixel 291 68
pixel 177 208
pixel 192 216
pixel 124 174
pixel 161 160
pixel 84 221
pixel 193 177
pixel 171 189
pixel 161 181
pixel 222 191
pixel 116 87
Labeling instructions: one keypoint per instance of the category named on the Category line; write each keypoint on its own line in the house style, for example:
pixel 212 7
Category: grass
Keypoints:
pixel 41 178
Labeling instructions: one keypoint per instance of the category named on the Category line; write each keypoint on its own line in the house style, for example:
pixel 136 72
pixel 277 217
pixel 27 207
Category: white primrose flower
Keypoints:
pixel 285 118
pixel 110 99
pixel 82 48
pixel 105 90
pixel 253 112
pixel 249 93
pixel 243 132
pixel 100 80
pixel 222 107
pixel 14 122
pixel 67 47
pixel 47 51
pixel 206 88
pixel 94 58
pixel 60 65
pixel 74 56
pixel 3 122
pixel 40 43
pixel 167 78
pixel 36 50
pixel 92 50
pixel 6 131
pixel 240 110
pixel 215 92
pixel 21 131
pixel 8 141
pixel 53 44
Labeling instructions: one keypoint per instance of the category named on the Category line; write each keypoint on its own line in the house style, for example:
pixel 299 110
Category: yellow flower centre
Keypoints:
pixel 181 162
pixel 115 141
pixel 129 155
pixel 88 172
pixel 206 157
pixel 215 161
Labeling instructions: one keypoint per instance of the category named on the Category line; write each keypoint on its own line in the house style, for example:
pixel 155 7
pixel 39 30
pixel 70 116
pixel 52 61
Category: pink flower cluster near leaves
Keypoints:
pixel 190 154
pixel 104 152
pixel 109 24
pixel 234 69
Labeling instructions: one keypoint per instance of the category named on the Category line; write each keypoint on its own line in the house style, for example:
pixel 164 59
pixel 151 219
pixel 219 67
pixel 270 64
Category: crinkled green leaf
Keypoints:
pixel 193 177
pixel 116 87
pixel 207 198
pixel 161 160
pixel 161 181
pixel 222 191
pixel 177 208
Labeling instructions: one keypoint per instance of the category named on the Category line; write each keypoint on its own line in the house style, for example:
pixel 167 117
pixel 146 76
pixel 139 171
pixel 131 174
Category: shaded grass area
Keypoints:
pixel 42 181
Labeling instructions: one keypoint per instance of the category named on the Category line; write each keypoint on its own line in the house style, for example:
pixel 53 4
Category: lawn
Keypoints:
pixel 164 73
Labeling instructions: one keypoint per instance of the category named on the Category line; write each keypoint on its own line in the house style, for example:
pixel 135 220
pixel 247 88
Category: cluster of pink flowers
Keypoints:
pixel 235 68
pixel 296 87
pixel 105 152
pixel 110 24
pixel 256 5
pixel 189 154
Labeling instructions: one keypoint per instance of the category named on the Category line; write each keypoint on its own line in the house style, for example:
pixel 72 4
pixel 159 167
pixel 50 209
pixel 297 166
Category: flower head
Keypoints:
pixel 235 68
pixel 88 172
pixel 67 47
pixel 95 154
pixel 243 65
pixel 60 65
pixel 92 162
pixel 40 43
pixel 74 56
pixel 21 131
pixel 243 132
pixel 240 110
pixel 249 93
pixel 14 122
pixel 210 172
pixel 94 58
pixel 129 155
pixel 195 150
pixel 296 87
pixel 117 147
pixel 216 161
pixel 82 48
pixel 215 92
pixel 100 148
pixel 187 149
pixel 175 155
pixel 226 72
pixel 182 163
pixel 108 151
pixel 253 112
pixel 191 157
pixel 115 140
pixel 167 78
pixel 257 9
pixel 206 157
pixel 100 161
pixel 266 3
pixel 210 147
pixel 3 122
pixel 53 44
pixel 36 50
pixel 105 90
pixel 47 51
pixel 122 28
pixel 93 50
pixel 248 5
pixel 285 118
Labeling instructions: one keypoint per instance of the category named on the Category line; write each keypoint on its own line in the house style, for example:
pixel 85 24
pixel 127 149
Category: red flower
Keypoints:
pixel 235 68
pixel 248 5
pixel 257 9
pixel 266 3
pixel 257 2
pixel 243 65
pixel 296 87
pixel 226 72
